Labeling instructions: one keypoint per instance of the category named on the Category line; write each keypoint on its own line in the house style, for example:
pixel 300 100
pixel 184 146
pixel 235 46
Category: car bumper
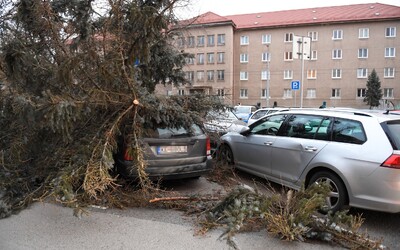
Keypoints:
pixel 126 168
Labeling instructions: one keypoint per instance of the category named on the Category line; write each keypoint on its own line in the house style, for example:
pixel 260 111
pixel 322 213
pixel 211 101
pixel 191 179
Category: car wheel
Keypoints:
pixel 337 199
pixel 225 154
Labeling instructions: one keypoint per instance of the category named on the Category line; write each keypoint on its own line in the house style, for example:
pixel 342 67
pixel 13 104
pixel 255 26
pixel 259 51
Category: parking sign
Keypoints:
pixel 295 85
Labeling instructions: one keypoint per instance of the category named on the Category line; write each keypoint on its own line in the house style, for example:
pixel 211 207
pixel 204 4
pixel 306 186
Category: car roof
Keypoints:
pixel 345 113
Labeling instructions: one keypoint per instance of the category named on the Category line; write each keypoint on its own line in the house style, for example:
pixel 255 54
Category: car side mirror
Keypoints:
pixel 244 131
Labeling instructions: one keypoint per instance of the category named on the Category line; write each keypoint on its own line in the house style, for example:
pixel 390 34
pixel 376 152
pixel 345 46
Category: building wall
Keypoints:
pixel 207 86
pixel 348 83
pixel 323 83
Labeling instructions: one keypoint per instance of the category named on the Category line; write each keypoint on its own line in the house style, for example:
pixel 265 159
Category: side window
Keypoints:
pixel 268 125
pixel 260 114
pixel 308 127
pixel 348 131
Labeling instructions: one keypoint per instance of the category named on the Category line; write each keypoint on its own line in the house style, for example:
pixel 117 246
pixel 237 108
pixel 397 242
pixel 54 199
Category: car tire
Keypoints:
pixel 225 154
pixel 337 200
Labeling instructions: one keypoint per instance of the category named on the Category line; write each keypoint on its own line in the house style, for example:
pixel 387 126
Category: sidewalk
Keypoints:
pixel 50 226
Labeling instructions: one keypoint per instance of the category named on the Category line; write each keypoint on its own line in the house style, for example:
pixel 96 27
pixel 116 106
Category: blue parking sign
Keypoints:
pixel 295 85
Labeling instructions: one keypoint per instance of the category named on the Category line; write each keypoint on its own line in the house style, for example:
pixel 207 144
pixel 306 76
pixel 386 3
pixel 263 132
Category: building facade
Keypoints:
pixel 297 57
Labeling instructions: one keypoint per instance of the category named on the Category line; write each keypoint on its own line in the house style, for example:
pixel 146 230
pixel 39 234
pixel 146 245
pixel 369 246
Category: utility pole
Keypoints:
pixel 268 77
pixel 301 48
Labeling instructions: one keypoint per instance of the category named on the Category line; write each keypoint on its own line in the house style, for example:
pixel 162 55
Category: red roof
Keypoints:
pixel 345 13
pixel 206 18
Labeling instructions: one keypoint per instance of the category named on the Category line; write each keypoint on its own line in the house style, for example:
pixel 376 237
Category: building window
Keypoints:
pixel 210 58
pixel 336 73
pixel 221 57
pixel 288 74
pixel 190 42
pixel 390 32
pixel 190 76
pixel 244 40
pixel 390 52
pixel 337 35
pixel 200 41
pixel 181 42
pixel 312 74
pixel 265 75
pixel 361 93
pixel 363 53
pixel 211 40
pixel 362 73
pixel 263 93
pixel 244 75
pixel 287 93
pixel 181 92
pixel 200 58
pixel 387 93
pixel 243 93
pixel 311 93
pixel 337 54
pixel 314 55
pixel 266 38
pixel 388 73
pixel 220 92
pixel 335 93
pixel 288 37
pixel 200 76
pixel 244 58
pixel 266 57
pixel 288 56
pixel 221 39
pixel 220 75
pixel 210 75
pixel 190 60
pixel 363 33
pixel 313 35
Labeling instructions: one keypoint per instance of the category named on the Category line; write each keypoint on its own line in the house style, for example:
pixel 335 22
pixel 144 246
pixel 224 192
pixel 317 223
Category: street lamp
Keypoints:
pixel 268 77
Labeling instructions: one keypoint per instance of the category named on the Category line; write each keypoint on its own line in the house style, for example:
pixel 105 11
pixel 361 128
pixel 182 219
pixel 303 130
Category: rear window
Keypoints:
pixel 165 133
pixel 348 131
pixel 393 132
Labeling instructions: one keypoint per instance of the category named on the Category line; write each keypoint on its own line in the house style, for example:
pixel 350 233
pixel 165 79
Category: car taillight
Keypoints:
pixel 392 162
pixel 208 147
pixel 128 155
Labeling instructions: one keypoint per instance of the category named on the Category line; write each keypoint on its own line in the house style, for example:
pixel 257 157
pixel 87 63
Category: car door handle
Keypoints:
pixel 310 148
pixel 268 143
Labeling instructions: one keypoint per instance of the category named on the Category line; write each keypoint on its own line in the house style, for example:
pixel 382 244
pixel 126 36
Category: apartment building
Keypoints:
pixel 297 57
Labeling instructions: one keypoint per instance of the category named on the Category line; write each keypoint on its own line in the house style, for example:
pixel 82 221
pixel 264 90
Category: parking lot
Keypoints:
pixel 49 226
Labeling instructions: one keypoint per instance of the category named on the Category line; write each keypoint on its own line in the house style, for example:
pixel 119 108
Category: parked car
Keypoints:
pixel 243 112
pixel 263 112
pixel 223 122
pixel 357 153
pixel 220 123
pixel 170 153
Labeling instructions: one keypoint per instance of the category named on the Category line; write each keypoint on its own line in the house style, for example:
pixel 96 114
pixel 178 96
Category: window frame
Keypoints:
pixel 363 33
pixel 244 76
pixel 243 94
pixel 389 72
pixel 337 34
pixel 362 73
pixel 244 58
pixel 363 53
pixel 337 54
pixel 336 73
pixel 220 39
pixel 390 52
pixel 244 40
pixel 390 32
pixel 266 38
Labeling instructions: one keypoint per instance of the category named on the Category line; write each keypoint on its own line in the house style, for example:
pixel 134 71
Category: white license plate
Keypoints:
pixel 171 149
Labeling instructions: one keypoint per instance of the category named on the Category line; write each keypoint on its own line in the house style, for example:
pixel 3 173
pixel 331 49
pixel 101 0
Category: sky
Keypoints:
pixel 232 7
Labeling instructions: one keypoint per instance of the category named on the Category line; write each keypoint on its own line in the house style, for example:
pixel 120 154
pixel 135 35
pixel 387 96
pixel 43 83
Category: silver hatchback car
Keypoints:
pixel 357 153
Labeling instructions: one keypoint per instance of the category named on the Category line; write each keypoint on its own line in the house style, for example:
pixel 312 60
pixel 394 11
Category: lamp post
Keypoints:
pixel 268 77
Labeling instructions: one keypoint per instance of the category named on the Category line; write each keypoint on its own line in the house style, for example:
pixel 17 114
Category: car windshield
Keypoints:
pixel 242 109
pixel 394 133
pixel 165 133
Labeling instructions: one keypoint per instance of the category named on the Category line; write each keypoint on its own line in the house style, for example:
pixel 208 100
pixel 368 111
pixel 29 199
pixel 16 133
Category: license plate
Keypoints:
pixel 171 149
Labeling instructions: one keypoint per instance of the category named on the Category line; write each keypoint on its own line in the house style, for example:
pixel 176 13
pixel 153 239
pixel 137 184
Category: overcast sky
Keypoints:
pixel 232 7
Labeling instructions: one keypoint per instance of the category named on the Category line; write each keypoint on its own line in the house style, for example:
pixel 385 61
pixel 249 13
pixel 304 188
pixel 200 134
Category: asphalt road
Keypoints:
pixel 50 226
